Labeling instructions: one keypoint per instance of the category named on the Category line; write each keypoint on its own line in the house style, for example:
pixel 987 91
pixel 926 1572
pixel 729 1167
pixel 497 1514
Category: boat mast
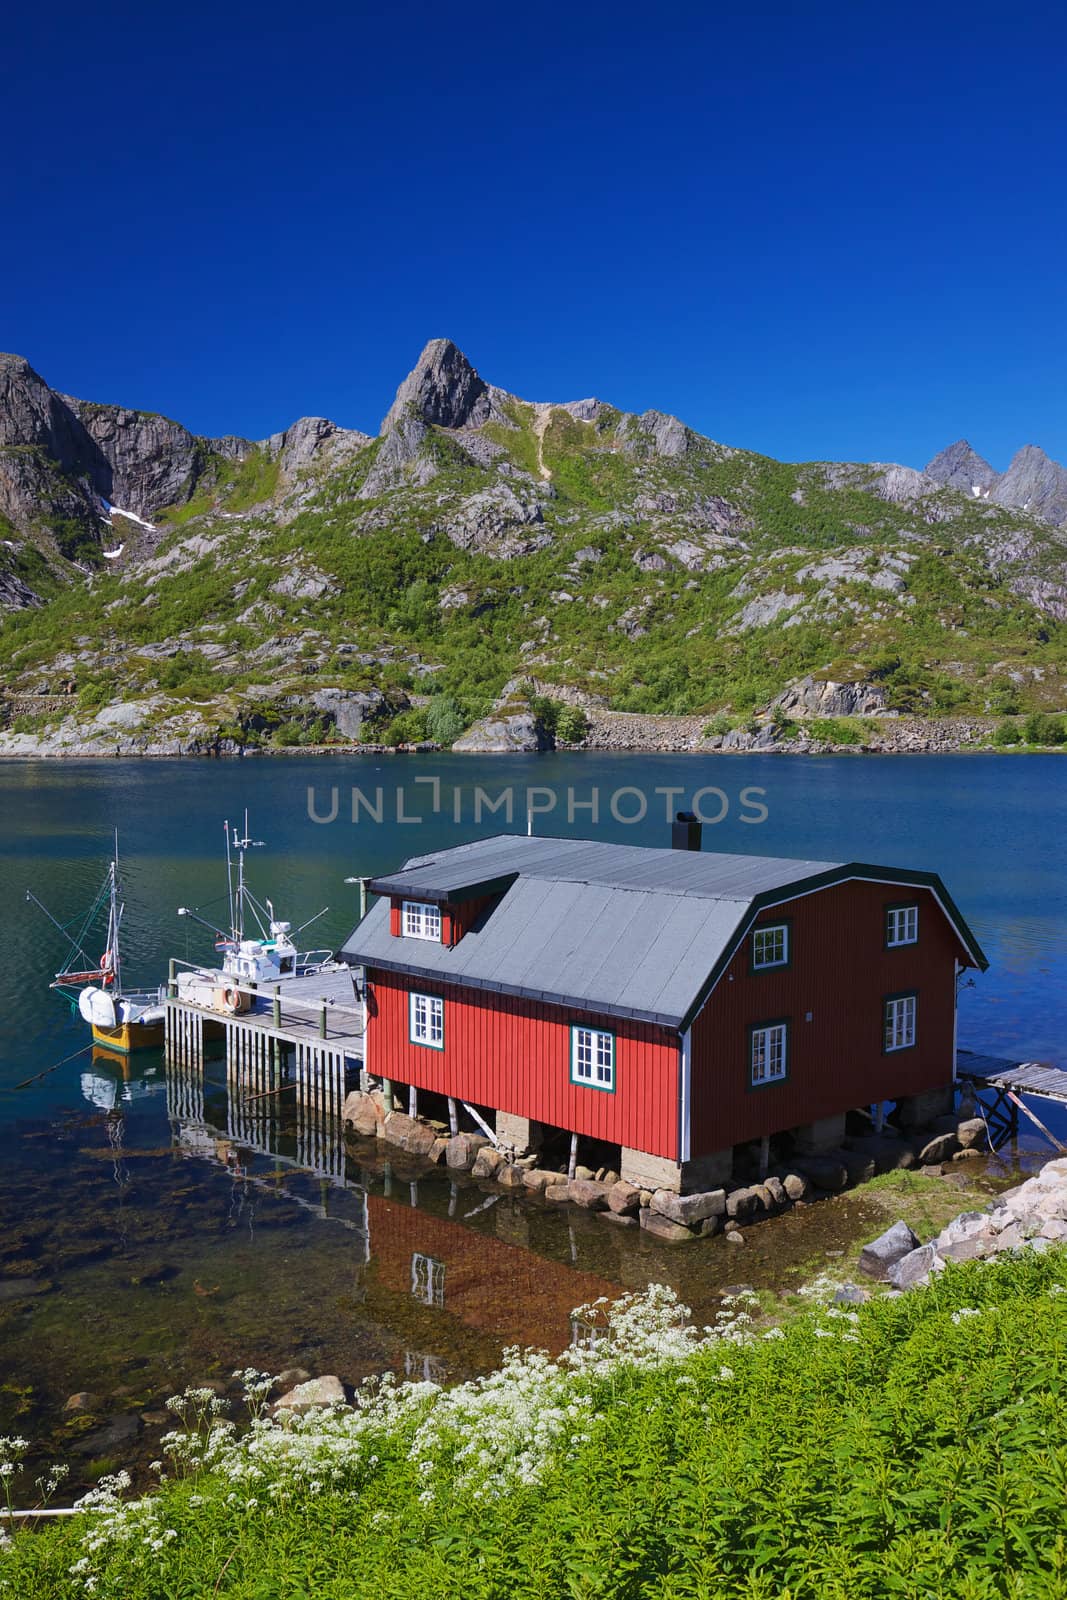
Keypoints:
pixel 229 882
pixel 114 920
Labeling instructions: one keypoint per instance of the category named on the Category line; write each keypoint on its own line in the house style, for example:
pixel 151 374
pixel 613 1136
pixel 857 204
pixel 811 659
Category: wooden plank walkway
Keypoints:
pixel 312 1010
pixel 1020 1077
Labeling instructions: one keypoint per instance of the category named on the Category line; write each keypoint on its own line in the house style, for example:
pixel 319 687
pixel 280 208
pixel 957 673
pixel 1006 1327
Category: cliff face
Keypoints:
pixel 147 461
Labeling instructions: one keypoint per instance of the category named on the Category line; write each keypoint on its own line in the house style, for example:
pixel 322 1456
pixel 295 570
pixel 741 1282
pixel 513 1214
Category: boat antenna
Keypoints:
pixel 239 895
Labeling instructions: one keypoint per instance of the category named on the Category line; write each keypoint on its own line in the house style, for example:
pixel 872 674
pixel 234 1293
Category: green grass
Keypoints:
pixel 915 1447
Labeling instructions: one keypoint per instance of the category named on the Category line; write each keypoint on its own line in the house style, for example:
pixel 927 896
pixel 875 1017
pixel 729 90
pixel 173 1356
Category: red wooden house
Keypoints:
pixel 674 1003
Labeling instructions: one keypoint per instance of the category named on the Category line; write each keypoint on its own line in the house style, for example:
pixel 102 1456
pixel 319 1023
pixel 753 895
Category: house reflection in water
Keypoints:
pixel 484 1279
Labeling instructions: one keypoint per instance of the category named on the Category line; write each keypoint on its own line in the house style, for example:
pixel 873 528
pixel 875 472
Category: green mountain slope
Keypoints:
pixel 482 539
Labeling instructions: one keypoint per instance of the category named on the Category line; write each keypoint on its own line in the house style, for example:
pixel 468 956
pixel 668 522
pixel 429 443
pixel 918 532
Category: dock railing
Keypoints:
pixel 325 1014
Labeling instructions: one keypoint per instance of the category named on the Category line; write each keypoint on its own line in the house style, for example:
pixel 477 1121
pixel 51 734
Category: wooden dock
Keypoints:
pixel 1009 1081
pixel 305 1034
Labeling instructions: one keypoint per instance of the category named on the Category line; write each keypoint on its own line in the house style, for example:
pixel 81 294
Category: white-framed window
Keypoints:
pixel 770 947
pixel 901 925
pixel 768 1053
pixel 426 1020
pixel 593 1057
pixel 899 1022
pixel 418 920
pixel 428 1280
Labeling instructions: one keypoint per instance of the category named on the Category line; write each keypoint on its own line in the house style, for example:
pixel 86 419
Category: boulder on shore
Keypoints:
pixel 313 1395
pixel 662 1227
pixel 417 1138
pixel 883 1253
pixel 689 1209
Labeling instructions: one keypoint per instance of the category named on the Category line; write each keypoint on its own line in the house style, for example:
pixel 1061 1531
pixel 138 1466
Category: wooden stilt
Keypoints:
pixel 573 1162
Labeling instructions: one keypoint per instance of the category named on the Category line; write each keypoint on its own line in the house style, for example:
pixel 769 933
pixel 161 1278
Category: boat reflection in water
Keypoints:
pixel 114 1080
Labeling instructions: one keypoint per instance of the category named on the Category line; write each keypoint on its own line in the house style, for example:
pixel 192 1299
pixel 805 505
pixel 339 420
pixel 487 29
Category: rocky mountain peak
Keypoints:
pixel 1034 483
pixel 961 467
pixel 443 389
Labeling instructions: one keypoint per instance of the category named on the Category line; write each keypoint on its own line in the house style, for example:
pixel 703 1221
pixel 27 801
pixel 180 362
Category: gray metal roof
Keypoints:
pixel 617 929
pixel 624 866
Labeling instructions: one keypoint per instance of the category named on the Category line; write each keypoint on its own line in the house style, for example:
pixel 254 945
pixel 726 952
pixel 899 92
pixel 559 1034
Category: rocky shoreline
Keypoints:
pixel 798 1179
pixel 613 732
pixel 1033 1216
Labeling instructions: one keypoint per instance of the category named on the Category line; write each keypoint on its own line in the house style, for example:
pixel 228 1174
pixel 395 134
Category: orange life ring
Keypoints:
pixel 233 1000
pixel 106 961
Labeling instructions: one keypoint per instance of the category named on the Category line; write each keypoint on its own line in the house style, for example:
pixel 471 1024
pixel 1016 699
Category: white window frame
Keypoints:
pixel 901 925
pixel 426 1020
pixel 768 1054
pixel 419 919
pixel 427 1280
pixel 765 931
pixel 593 1057
pixel 899 1028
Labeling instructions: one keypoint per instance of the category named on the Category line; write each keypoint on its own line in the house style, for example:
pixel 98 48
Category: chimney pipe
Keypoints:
pixel 685 831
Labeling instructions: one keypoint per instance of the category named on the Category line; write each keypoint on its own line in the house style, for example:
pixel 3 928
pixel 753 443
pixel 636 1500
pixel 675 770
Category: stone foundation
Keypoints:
pixel 681 1177
pixel 825 1134
pixel 919 1110
pixel 518 1134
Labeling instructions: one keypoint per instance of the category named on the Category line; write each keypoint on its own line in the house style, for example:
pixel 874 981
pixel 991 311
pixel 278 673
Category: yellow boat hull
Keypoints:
pixel 127 1036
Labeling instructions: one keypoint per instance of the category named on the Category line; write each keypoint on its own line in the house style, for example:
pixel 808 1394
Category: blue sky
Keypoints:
pixel 827 233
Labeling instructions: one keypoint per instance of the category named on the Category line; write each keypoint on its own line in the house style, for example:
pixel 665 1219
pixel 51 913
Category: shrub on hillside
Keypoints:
pixel 572 724
pixel 1041 727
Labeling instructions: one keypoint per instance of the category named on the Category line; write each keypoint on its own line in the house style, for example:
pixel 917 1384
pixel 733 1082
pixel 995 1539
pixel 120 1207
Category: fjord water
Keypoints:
pixel 132 1262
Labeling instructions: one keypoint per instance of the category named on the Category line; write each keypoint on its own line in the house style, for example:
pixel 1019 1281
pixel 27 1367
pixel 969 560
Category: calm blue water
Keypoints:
pixel 135 1258
pixel 994 827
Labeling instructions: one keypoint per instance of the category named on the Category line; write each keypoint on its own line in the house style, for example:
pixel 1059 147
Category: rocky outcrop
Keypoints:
pixel 505 733
pixel 313 442
pixel 665 435
pixel 496 519
pixel 16 595
pixel 402 459
pixel 442 389
pixel 825 698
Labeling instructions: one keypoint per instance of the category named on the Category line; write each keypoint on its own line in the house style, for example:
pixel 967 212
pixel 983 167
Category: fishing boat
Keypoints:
pixel 119 1018
pixel 248 962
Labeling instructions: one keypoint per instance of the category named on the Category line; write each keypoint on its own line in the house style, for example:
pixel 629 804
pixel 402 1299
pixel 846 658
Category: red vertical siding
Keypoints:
pixel 841 973
pixel 514 1055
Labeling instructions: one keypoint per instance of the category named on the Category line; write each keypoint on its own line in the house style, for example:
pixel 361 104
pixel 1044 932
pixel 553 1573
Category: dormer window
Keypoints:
pixel 421 921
